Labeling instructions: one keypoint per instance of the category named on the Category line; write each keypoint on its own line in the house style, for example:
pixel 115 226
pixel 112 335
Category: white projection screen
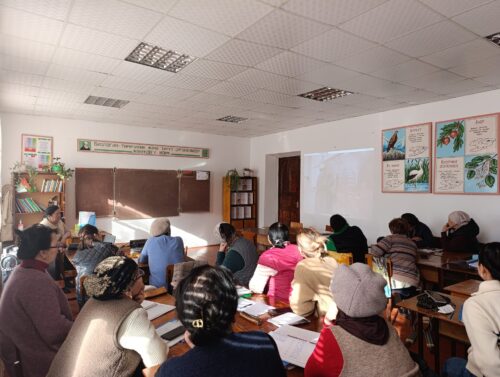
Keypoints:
pixel 339 182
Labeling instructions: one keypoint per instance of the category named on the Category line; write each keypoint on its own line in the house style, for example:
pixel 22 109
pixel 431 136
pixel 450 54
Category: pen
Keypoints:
pixel 296 337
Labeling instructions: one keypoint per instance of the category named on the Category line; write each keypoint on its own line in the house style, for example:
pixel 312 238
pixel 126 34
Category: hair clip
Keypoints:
pixel 197 323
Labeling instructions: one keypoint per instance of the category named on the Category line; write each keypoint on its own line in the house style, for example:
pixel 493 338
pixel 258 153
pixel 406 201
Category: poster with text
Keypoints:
pixel 36 151
pixel 467 155
pixel 406 159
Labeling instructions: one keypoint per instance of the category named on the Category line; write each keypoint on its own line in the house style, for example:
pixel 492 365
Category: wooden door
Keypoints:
pixel 289 189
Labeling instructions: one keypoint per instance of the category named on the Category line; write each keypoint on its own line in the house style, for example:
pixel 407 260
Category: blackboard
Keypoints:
pixel 94 191
pixel 194 194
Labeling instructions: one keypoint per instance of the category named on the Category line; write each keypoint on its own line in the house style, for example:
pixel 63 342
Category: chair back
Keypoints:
pixel 382 266
pixel 296 226
pixel 155 292
pixel 176 272
pixel 341 258
pixel 249 235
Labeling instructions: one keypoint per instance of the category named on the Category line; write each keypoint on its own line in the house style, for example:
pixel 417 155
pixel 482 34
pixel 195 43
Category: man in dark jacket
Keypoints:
pixel 419 232
pixel 347 239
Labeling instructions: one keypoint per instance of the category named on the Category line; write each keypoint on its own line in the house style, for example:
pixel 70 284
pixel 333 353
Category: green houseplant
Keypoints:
pixel 60 169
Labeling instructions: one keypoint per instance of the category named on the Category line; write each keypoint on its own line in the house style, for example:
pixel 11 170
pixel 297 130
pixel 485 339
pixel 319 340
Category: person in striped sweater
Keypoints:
pixel 402 251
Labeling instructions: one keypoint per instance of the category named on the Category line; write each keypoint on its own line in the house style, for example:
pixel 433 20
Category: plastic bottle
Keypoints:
pixel 20 226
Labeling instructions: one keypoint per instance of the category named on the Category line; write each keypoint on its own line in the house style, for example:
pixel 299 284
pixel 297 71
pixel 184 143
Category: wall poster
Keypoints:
pixel 467 155
pixel 36 151
pixel 406 159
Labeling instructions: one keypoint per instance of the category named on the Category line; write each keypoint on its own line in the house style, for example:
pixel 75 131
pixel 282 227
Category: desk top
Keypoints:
pixel 464 288
pixel 440 261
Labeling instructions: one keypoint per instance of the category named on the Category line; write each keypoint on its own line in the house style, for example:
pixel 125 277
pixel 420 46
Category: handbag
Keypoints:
pixel 426 301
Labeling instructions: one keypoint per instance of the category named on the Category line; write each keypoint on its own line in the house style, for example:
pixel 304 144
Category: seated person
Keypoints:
pixel 459 233
pixel 236 253
pixel 91 251
pixel 112 333
pixel 311 281
pixel 361 342
pixel 161 250
pixel 419 232
pixel 276 265
pixel 35 317
pixel 206 302
pixel 402 251
pixel 481 316
pixel 347 239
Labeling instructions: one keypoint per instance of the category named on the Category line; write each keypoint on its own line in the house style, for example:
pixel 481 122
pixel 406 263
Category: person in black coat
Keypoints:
pixel 419 232
pixel 347 239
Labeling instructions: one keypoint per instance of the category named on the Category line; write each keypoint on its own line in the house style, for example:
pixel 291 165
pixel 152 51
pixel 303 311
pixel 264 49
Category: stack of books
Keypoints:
pixel 52 185
pixel 28 205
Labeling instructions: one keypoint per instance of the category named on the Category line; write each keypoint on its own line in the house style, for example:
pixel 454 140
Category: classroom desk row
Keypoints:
pixel 240 324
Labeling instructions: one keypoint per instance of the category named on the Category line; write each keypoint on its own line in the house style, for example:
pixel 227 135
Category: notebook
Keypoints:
pixel 155 309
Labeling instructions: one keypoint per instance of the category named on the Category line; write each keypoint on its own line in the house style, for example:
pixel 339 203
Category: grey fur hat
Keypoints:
pixel 160 226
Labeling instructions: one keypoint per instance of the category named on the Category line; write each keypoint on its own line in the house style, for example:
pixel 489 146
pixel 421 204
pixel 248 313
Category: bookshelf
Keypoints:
pixel 29 206
pixel 239 207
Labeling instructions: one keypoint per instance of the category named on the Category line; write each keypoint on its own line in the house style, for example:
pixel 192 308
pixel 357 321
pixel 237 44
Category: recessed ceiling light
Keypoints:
pixel 108 102
pixel 232 119
pixel 158 57
pixel 495 38
pixel 325 94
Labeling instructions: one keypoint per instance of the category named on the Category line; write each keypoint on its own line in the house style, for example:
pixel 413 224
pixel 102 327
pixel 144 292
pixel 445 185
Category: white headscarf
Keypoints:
pixel 218 237
pixel 460 218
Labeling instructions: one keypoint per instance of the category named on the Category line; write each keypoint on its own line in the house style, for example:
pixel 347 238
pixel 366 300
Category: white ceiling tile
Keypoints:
pixel 26 25
pixel 333 45
pixel 90 62
pixel 434 80
pixel 57 9
pixel 175 93
pixel 62 96
pixel 243 103
pixel 162 6
pixel 290 64
pixel 405 71
pixel 479 68
pixel 459 87
pixel 123 83
pixel 14 102
pixel 293 87
pixel 114 17
pixel 97 42
pixel 190 82
pixel 232 89
pixel 244 53
pixel 372 60
pixel 331 12
pixel 75 74
pixel 482 20
pixel 463 54
pixel 328 75
pixel 225 16
pixel 20 64
pixel 68 86
pixel 186 38
pixel 25 48
pixel 259 79
pixel 274 98
pixel 281 29
pixel 212 70
pixel 274 3
pixel 451 8
pixel 141 72
pixel 20 78
pixel 432 39
pixel 114 93
pixel 415 96
pixel 491 79
pixel 211 98
pixel 24 90
pixel 374 86
pixel 391 20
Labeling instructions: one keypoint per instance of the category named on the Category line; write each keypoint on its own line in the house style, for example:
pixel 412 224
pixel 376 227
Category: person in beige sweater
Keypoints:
pixel 311 283
pixel 481 316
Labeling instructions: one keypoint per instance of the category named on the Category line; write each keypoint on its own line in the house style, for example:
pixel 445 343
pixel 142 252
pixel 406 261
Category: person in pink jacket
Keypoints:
pixel 276 266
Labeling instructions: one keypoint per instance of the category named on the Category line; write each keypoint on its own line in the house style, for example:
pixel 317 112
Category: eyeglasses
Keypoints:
pixel 138 274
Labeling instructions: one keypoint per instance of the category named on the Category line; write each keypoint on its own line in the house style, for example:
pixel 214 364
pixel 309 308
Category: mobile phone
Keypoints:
pixel 174 333
pixel 278 311
pixel 437 298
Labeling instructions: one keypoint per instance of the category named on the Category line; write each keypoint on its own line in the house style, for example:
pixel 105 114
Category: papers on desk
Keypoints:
pixel 253 308
pixel 287 319
pixel 242 291
pixel 155 309
pixel 446 309
pixel 295 345
pixel 428 251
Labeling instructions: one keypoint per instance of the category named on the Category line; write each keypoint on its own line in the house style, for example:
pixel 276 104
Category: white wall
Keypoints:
pixel 363 132
pixel 196 229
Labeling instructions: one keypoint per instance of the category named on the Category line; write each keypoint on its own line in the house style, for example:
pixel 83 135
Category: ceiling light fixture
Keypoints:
pixel 494 38
pixel 232 119
pixel 108 102
pixel 325 94
pixel 158 57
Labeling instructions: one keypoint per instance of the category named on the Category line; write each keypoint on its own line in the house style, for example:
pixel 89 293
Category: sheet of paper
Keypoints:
pixel 298 333
pixel 242 291
pixel 156 310
pixel 294 351
pixel 243 303
pixel 286 319
pixel 446 309
pixel 257 309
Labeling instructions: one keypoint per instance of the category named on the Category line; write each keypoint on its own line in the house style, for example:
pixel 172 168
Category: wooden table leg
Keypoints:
pixel 437 354
pixel 420 332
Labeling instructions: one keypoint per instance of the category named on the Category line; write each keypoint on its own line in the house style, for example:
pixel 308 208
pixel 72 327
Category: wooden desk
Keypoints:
pixel 443 325
pixel 240 325
pixel 463 289
pixel 436 269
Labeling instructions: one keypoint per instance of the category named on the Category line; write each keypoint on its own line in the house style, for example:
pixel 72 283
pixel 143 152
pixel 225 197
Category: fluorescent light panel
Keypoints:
pixel 232 119
pixel 107 102
pixel 494 38
pixel 325 94
pixel 158 57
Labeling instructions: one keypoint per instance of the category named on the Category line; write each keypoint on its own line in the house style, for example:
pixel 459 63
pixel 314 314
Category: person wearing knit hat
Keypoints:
pixel 360 342
pixel 113 316
pixel 161 250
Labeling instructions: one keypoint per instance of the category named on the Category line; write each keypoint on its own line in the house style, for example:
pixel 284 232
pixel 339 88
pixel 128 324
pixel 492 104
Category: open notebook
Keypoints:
pixel 155 309
pixel 295 345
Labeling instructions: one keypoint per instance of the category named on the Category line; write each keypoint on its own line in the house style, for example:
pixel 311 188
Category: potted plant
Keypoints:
pixel 22 183
pixel 60 169
pixel 234 179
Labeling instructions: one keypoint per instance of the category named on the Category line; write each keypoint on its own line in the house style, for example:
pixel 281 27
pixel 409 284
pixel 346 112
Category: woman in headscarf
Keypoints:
pixel 459 233
pixel 112 333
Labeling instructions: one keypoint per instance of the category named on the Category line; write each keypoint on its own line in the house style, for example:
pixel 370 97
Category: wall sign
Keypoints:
pixel 118 147
pixel 36 150
pixel 467 155
pixel 406 159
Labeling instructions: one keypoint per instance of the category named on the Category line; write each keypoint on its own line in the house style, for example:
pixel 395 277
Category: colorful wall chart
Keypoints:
pixel 406 159
pixel 36 150
pixel 466 157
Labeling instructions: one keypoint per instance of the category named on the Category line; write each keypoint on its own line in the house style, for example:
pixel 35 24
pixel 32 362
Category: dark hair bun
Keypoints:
pixel 278 235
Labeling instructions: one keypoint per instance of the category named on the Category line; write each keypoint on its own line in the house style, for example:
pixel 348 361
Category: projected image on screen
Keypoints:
pixel 338 182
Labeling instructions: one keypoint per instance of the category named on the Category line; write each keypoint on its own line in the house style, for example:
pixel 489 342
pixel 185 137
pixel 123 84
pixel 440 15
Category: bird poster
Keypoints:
pixel 467 155
pixel 406 159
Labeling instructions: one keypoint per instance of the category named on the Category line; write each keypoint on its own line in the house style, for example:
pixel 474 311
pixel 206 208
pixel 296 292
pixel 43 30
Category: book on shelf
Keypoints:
pixel 27 205
pixel 52 185
pixel 248 212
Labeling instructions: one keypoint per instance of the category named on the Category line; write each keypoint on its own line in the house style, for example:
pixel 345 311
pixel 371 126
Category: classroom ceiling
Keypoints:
pixel 253 59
